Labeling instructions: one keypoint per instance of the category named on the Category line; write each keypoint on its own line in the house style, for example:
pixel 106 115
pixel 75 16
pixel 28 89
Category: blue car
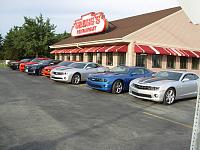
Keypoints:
pixel 117 79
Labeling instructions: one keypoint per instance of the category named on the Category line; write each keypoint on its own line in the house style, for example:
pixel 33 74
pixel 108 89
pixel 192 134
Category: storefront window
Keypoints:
pixel 81 57
pixel 68 57
pixel 109 59
pixel 90 57
pixel 195 63
pixel 171 61
pixel 156 61
pixel 99 58
pixel 62 57
pixel 121 59
pixel 183 62
pixel 73 57
pixel 141 60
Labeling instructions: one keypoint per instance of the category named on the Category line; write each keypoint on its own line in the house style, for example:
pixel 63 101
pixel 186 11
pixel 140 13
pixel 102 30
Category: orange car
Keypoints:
pixel 46 70
pixel 34 61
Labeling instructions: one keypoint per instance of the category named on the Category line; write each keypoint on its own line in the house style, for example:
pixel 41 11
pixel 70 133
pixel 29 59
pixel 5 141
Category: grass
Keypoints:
pixel 3 65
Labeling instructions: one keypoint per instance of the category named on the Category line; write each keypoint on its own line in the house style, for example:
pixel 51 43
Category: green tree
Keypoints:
pixel 1 47
pixel 39 34
pixel 14 45
pixel 31 39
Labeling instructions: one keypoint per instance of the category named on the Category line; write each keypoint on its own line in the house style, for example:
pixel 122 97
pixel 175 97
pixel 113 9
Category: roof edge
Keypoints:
pixel 115 40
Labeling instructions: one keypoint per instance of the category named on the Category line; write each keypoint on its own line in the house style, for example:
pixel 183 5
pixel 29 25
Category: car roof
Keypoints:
pixel 180 71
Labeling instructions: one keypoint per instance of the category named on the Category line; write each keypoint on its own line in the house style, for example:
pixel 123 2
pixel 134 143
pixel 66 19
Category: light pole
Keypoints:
pixel 195 141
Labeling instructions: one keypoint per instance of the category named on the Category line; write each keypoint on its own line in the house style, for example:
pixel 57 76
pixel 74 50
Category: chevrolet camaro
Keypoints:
pixel 36 69
pixel 46 70
pixel 165 86
pixel 117 79
pixel 76 72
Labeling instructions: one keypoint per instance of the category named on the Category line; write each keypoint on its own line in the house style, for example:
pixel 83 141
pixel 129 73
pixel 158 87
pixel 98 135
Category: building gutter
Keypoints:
pixel 97 42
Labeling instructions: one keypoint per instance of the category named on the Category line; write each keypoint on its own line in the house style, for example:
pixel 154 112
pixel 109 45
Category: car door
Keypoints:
pixel 188 86
pixel 90 69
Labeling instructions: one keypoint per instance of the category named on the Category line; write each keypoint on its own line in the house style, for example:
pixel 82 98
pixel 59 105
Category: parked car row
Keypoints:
pixel 163 86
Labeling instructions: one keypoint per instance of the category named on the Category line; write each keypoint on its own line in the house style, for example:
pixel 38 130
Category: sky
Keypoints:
pixel 62 13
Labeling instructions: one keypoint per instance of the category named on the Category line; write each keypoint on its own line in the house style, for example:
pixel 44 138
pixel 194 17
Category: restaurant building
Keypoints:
pixel 159 40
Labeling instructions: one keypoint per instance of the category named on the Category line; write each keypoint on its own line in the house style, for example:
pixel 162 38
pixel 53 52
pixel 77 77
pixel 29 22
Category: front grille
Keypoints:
pixel 142 95
pixel 96 79
pixel 56 77
pixel 58 73
pixel 94 85
pixel 145 87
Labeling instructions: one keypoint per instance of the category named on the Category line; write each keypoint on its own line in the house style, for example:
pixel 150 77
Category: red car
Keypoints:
pixel 34 61
pixel 46 70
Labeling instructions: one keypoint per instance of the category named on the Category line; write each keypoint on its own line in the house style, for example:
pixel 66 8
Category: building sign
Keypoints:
pixel 89 24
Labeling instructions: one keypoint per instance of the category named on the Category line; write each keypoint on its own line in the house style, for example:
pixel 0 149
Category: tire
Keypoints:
pixel 117 87
pixel 76 78
pixel 169 96
pixel 39 72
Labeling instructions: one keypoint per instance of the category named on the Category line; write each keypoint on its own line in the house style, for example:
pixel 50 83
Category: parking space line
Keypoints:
pixel 166 119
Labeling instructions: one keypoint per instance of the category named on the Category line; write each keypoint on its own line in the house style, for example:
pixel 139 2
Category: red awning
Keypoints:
pixel 53 52
pixel 75 50
pixel 67 51
pixel 165 51
pixel 114 48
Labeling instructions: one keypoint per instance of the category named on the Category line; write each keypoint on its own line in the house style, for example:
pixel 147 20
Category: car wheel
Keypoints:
pixel 39 72
pixel 169 96
pixel 76 78
pixel 117 87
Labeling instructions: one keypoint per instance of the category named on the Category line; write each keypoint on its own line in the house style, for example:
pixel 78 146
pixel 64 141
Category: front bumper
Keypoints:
pixel 103 86
pixel 153 95
pixel 31 71
pixel 62 78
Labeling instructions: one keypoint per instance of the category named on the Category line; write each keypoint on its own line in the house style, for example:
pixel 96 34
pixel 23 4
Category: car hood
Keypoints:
pixel 29 63
pixel 63 69
pixel 51 67
pixel 153 81
pixel 107 75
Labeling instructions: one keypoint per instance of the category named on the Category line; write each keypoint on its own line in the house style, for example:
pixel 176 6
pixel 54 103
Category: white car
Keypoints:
pixel 165 86
pixel 76 72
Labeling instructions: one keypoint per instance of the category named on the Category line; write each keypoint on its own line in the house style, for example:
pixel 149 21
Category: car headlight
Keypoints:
pixel 66 73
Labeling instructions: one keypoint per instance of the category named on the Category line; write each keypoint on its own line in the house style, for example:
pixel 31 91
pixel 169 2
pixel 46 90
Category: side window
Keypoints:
pixel 93 65
pixel 139 71
pixel 191 77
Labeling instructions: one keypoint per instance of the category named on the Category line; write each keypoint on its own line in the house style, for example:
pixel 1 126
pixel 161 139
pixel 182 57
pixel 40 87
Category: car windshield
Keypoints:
pixel 168 75
pixel 120 69
pixel 25 60
pixel 45 62
pixel 36 60
pixel 78 65
pixel 64 63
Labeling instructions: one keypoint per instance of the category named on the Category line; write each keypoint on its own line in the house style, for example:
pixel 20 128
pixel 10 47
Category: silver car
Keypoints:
pixel 165 86
pixel 76 72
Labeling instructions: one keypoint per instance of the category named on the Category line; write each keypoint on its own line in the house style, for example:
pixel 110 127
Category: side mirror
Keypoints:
pixel 88 68
pixel 133 74
pixel 185 79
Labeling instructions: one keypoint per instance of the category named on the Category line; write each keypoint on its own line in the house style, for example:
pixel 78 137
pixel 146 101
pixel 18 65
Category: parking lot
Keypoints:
pixel 39 114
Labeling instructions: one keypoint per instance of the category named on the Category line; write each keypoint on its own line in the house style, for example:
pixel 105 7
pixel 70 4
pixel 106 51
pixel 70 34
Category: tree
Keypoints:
pixel 39 34
pixel 1 47
pixel 14 45
pixel 31 39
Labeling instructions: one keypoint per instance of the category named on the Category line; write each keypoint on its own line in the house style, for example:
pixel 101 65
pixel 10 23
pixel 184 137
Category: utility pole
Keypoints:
pixel 195 141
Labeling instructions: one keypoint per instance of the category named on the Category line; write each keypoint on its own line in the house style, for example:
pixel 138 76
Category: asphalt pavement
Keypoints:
pixel 39 114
